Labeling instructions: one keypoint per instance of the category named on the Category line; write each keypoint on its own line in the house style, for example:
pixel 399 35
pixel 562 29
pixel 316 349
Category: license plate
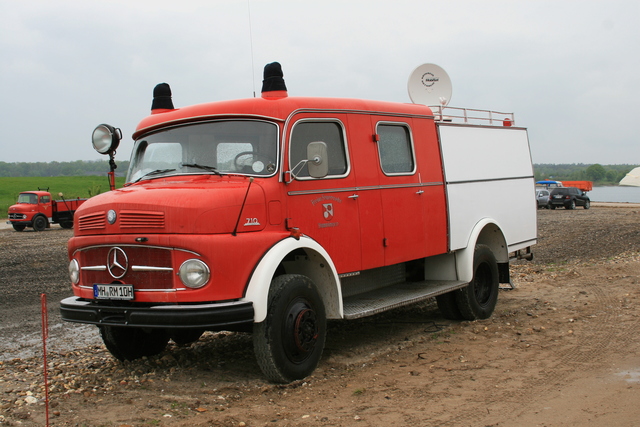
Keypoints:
pixel 113 292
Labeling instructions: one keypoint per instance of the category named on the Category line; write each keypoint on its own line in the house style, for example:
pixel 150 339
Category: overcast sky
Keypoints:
pixel 569 70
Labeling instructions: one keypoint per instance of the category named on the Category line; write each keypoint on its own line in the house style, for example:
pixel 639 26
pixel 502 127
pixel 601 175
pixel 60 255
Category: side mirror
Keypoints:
pixel 317 159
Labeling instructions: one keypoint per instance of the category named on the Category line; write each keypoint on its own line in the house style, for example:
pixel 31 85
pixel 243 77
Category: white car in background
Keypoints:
pixel 542 197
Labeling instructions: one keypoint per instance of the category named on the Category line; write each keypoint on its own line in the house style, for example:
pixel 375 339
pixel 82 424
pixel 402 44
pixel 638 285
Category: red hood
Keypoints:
pixel 205 204
pixel 23 208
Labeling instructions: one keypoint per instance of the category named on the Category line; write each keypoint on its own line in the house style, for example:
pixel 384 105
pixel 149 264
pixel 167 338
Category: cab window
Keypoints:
pixel 329 132
pixel 395 149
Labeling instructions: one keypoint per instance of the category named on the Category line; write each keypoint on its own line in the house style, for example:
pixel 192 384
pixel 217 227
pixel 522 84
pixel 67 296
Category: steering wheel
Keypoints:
pixel 258 162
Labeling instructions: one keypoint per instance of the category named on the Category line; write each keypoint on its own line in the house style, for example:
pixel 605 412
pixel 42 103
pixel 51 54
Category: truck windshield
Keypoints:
pixel 29 198
pixel 248 147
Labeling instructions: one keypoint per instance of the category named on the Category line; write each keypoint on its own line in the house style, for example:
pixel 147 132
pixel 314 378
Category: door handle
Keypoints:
pixel 420 192
pixel 353 196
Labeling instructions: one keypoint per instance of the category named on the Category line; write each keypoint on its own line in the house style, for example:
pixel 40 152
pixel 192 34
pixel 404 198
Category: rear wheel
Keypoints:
pixel 288 344
pixel 587 204
pixel 39 223
pixel 448 306
pixel 133 343
pixel 66 224
pixel 479 298
pixel 571 205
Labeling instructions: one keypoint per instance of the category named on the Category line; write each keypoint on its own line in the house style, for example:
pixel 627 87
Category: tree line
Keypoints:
pixel 599 174
pixel 76 168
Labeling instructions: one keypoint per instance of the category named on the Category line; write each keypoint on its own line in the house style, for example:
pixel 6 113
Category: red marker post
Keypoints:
pixel 45 335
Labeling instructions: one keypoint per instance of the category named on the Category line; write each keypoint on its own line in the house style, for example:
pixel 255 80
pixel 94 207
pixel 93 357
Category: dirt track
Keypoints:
pixel 562 349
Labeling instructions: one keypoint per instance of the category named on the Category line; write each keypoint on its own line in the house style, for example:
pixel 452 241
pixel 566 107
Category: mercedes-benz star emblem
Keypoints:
pixel 117 262
pixel 111 216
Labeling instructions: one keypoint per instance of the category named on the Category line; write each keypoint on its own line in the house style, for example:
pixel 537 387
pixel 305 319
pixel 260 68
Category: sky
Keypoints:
pixel 569 70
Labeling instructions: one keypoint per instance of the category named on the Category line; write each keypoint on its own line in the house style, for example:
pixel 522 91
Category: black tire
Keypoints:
pixel 19 227
pixel 66 224
pixel 587 204
pixel 571 205
pixel 288 344
pixel 40 223
pixel 448 306
pixel 185 336
pixel 133 343
pixel 479 298
pixel 553 207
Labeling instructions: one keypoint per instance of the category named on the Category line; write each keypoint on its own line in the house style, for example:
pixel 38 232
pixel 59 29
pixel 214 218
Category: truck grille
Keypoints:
pixel 126 220
pixel 148 267
pixel 141 219
pixel 92 221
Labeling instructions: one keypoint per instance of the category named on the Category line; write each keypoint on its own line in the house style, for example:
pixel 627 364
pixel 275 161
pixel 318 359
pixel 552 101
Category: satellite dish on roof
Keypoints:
pixel 429 85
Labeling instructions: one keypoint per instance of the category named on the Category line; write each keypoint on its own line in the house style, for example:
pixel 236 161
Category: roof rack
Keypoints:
pixel 472 116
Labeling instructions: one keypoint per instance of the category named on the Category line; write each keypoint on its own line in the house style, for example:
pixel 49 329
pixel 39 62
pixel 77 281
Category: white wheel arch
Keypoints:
pixel 318 267
pixel 487 232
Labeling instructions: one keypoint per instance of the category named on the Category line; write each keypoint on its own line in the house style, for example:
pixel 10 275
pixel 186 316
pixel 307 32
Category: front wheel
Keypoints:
pixel 19 227
pixel 39 223
pixel 288 344
pixel 185 336
pixel 128 343
pixel 479 298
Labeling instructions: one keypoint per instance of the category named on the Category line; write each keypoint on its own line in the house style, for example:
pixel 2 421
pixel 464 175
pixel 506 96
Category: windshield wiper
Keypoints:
pixel 203 167
pixel 155 172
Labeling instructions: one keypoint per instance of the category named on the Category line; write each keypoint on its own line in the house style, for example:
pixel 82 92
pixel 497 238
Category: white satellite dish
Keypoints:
pixel 430 85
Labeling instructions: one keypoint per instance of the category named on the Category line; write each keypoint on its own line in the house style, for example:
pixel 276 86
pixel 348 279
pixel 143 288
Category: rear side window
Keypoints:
pixel 329 132
pixel 395 149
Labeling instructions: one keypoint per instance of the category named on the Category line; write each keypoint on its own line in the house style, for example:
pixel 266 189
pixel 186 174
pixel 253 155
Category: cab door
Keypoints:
pixel 401 191
pixel 45 206
pixel 325 209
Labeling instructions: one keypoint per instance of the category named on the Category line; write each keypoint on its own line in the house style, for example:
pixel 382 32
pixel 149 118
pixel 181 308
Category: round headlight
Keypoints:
pixel 194 273
pixel 106 139
pixel 74 271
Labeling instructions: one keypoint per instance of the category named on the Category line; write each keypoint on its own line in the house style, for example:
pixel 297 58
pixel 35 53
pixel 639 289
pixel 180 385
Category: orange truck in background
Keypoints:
pixel 36 209
pixel 582 185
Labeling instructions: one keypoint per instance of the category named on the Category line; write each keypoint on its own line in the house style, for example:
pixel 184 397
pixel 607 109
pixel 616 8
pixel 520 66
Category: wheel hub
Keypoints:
pixel 302 330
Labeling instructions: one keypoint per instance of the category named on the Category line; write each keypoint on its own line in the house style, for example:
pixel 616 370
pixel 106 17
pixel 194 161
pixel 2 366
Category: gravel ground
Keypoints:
pixel 217 382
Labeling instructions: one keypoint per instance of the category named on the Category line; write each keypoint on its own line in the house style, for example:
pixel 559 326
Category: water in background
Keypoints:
pixel 621 194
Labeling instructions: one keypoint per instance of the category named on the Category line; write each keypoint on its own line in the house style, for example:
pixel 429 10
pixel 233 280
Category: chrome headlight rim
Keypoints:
pixel 194 273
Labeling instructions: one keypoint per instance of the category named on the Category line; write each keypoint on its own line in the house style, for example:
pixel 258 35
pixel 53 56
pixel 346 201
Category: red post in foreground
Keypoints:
pixel 45 335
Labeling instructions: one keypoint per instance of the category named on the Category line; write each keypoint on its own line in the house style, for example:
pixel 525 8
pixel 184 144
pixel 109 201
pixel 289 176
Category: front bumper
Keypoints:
pixel 20 222
pixel 222 316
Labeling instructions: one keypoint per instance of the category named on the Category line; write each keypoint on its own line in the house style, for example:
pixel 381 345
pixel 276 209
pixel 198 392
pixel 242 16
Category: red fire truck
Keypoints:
pixel 36 209
pixel 274 214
